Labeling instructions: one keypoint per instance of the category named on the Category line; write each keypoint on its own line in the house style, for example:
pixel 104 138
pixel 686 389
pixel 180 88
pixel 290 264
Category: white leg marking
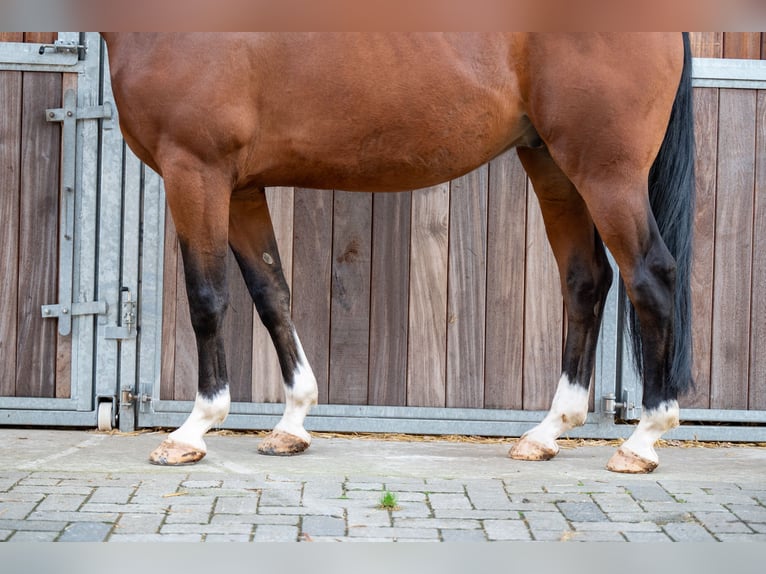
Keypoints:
pixel 651 427
pixel 300 397
pixel 569 409
pixel 205 414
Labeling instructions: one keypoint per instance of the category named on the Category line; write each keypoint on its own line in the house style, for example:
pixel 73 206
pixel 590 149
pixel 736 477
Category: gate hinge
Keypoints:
pixel 75 309
pixel 127 327
pixel 628 409
pixel 127 398
pixel 70 111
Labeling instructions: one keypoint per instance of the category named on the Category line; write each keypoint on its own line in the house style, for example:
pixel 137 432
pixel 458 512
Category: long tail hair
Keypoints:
pixel 671 195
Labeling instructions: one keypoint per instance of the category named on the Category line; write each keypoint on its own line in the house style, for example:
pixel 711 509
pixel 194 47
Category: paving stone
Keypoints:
pixel 141 508
pixel 740 537
pixel 393 533
pixel 206 528
pixel 138 523
pixel 553 535
pixel 507 530
pixel 593 536
pixel 367 517
pixel 5 534
pixel 546 521
pixel 413 510
pixel 238 505
pixel 16 510
pixel 582 511
pixel 749 512
pixel 322 489
pixel 35 525
pixel 61 502
pixel 635 536
pixel 35 536
pixel 281 497
pixel 187 517
pixel 443 485
pixel 478 514
pixel 73 516
pixel 609 526
pixel 718 522
pixel 463 536
pixel 227 537
pixel 324 526
pixel 441 523
pixel 111 494
pixel 280 519
pixel 155 538
pixel 85 532
pixel 440 501
pixel 202 484
pixel 619 502
pixel 275 533
pixel 488 495
pixel 687 532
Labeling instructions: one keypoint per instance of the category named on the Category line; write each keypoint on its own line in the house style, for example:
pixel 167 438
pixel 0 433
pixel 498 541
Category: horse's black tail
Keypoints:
pixel 671 194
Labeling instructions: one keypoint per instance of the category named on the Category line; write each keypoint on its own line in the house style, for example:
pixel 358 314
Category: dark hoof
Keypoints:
pixel 171 453
pixel 280 443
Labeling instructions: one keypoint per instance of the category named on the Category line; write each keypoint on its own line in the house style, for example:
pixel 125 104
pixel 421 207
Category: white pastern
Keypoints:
pixel 205 414
pixel 569 409
pixel 299 397
pixel 651 427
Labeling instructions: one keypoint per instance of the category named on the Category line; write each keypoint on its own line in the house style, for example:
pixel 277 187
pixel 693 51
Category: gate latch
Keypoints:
pixel 127 327
pixel 628 409
pixel 63 47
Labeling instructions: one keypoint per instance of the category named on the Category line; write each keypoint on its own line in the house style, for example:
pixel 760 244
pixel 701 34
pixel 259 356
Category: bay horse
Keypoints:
pixel 602 124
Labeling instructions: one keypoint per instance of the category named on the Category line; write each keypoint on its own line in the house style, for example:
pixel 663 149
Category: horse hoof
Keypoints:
pixel 171 453
pixel 280 443
pixel 528 449
pixel 629 462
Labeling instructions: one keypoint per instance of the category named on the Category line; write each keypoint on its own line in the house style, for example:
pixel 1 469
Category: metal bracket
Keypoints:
pixel 64 47
pixel 126 329
pixel 628 410
pixel 76 309
pixel 127 398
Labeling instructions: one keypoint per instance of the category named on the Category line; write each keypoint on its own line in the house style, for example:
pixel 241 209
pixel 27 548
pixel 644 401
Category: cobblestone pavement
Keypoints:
pixel 85 486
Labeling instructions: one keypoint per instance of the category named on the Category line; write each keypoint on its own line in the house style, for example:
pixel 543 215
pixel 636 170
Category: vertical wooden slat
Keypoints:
pixel 734 234
pixel 169 310
pixel 312 267
pixel 10 160
pixel 186 365
pixel 706 128
pixel 238 330
pixel 350 327
pixel 757 395
pixel 266 374
pixel 507 210
pixel 467 290
pixel 543 317
pixel 38 242
pixel 745 45
pixel 427 341
pixel 706 44
pixel 389 299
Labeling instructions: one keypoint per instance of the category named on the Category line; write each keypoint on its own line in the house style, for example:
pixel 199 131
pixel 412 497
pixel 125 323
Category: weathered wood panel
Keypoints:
pixel 389 300
pixel 706 112
pixel 312 269
pixel 757 387
pixel 237 325
pixel 10 160
pixel 734 234
pixel 350 327
pixel 745 45
pixel 507 214
pixel 427 349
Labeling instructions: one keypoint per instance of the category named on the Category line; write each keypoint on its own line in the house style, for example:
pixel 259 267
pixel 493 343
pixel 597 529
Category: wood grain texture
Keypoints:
pixel 543 316
pixel 706 128
pixel 389 298
pixel 734 234
pixel 186 361
pixel 350 326
pixel 507 213
pixel 266 381
pixel 745 45
pixel 706 44
pixel 427 334
pixel 312 267
pixel 757 380
pixel 467 290
pixel 169 310
pixel 10 183
pixel 38 238
pixel 238 333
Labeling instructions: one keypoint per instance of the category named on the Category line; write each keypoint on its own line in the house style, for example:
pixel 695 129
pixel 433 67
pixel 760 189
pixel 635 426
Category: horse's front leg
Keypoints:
pixel 200 211
pixel 585 279
pixel 252 240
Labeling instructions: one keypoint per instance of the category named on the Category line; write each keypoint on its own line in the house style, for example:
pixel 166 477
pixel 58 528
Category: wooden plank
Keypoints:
pixel 10 159
pixel 745 45
pixel 186 361
pixel 507 212
pixel 237 333
pixel 733 257
pixel 757 389
pixel 312 266
pixel 38 242
pixel 389 300
pixel 350 326
pixel 427 333
pixel 543 314
pixel 467 290
pixel 706 129
pixel 169 310
pixel 267 376
pixel 706 44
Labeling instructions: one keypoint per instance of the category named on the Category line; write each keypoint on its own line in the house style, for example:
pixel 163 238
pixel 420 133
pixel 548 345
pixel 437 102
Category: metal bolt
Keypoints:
pixel 69 114
pixel 64 310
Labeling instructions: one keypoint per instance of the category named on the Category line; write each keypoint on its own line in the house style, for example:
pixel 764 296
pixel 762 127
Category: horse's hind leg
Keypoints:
pixel 251 237
pixel 199 206
pixel 585 279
